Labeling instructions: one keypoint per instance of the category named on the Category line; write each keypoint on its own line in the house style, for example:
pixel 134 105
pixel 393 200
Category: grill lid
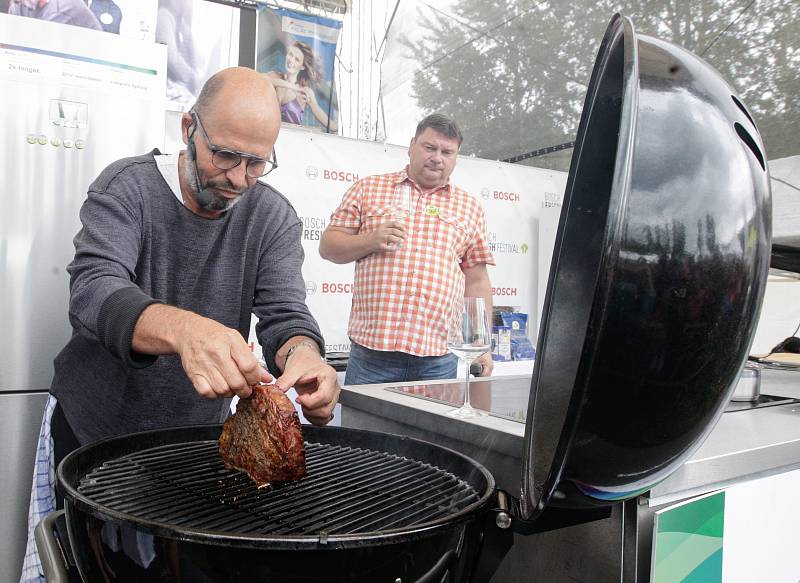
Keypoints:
pixel 657 277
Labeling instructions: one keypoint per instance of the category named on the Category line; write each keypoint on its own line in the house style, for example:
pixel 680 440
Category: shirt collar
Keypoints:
pixel 402 176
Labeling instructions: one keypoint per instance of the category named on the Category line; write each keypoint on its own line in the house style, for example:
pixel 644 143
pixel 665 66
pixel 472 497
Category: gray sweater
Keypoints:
pixel 140 245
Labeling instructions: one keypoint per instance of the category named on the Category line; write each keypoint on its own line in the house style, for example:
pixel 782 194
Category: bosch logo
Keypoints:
pixel 330 287
pixel 311 287
pixel 313 222
pixel 313 227
pixel 486 194
pixel 339 176
pixel 311 172
pixel 504 291
pixel 510 196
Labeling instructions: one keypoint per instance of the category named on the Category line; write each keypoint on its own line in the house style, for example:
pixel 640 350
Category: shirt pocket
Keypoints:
pixel 374 216
pixel 451 233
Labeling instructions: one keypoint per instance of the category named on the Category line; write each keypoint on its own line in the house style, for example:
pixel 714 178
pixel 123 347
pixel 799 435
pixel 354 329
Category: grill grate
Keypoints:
pixel 346 490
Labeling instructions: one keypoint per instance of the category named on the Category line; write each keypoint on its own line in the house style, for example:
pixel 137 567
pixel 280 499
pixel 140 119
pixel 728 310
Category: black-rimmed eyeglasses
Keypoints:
pixel 225 159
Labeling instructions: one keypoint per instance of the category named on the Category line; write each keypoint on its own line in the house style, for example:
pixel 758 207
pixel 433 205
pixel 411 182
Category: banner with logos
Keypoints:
pixel 316 169
pixel 297 51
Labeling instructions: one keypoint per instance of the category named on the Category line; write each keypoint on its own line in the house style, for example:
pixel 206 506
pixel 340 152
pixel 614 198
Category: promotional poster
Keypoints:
pixel 297 51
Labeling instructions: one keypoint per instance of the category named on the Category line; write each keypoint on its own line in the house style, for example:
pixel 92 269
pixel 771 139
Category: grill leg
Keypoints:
pixel 495 546
pixel 444 567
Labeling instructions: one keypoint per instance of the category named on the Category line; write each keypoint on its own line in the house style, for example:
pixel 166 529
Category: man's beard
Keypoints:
pixel 217 203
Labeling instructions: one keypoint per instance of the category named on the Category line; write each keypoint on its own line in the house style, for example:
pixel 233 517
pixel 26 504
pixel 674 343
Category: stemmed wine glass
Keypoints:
pixel 402 205
pixel 469 337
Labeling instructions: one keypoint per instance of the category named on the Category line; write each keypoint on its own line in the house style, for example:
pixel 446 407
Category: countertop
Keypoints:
pixel 743 445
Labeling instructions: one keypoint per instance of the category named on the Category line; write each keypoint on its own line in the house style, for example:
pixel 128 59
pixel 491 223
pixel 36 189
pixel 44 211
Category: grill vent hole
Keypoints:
pixel 741 106
pixel 750 143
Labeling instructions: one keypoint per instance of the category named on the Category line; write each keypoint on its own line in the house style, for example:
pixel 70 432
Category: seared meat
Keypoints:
pixel 263 438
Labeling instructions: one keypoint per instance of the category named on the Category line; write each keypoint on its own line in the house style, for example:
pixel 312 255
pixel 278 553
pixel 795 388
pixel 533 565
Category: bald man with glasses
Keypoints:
pixel 175 253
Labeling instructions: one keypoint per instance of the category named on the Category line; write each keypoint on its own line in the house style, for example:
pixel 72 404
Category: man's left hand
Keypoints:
pixel 315 382
pixel 487 364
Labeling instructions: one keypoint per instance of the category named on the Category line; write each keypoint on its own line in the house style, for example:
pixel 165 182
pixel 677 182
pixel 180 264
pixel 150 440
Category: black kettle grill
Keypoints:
pixel 661 257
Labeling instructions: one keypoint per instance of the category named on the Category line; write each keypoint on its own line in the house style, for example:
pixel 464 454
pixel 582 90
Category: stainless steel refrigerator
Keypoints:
pixel 72 101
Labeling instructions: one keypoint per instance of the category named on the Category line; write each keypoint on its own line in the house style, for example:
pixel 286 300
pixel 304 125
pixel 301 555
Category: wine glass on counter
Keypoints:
pixel 469 338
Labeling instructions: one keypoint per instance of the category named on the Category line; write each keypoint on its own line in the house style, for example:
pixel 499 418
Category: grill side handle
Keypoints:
pixel 54 563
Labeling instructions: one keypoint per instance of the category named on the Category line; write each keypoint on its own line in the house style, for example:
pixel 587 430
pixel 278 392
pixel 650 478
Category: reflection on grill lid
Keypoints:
pixel 347 490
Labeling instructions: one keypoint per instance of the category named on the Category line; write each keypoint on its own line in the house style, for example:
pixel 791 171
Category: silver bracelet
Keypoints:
pixel 298 345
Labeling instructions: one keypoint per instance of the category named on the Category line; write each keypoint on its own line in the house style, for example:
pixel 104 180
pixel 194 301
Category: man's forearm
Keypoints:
pixel 158 329
pixel 216 359
pixel 478 285
pixel 484 292
pixel 341 247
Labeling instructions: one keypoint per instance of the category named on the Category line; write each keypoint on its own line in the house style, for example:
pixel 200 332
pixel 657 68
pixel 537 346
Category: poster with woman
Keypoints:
pixel 297 51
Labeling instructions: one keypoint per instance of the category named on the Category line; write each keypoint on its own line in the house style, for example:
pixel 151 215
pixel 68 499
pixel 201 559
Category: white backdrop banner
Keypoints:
pixel 316 169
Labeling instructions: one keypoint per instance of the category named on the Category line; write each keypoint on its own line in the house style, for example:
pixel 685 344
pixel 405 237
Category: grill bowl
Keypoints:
pixel 159 506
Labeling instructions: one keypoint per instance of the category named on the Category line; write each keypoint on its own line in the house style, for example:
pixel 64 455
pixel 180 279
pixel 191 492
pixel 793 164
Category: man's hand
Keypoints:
pixel 315 382
pixel 216 358
pixel 346 244
pixel 487 364
pixel 388 237
pixel 218 361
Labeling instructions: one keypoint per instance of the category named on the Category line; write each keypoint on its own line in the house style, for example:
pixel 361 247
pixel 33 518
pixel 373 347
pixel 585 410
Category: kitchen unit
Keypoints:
pixel 72 100
pixel 747 444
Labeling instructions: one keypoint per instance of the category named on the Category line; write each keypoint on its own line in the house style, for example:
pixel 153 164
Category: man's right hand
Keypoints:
pixel 218 361
pixel 388 237
pixel 216 358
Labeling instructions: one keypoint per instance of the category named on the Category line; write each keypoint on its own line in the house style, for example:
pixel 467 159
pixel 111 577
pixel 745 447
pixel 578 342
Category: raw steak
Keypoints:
pixel 263 438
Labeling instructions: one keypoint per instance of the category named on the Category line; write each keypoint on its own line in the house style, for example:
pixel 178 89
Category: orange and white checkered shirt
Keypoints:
pixel 402 300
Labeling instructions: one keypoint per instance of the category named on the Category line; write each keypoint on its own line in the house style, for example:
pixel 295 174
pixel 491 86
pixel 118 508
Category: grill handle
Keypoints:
pixel 54 564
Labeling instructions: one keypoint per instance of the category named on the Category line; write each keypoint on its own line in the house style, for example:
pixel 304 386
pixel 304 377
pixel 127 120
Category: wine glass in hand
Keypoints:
pixel 402 204
pixel 469 337
pixel 402 201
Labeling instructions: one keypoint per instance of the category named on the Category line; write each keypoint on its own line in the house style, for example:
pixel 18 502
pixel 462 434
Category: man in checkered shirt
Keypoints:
pixel 413 265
